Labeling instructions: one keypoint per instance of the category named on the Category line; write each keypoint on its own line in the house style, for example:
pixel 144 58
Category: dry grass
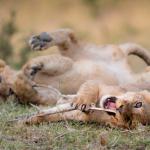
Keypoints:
pixel 65 135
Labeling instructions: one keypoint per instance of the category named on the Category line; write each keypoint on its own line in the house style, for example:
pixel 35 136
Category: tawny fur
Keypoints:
pixel 127 116
pixel 67 71
pixel 80 62
pixel 24 89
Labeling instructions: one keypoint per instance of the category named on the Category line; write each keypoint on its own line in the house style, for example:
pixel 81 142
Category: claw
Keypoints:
pixel 35 45
pixel 83 107
pixel 35 69
pixel 37 48
pixel 32 40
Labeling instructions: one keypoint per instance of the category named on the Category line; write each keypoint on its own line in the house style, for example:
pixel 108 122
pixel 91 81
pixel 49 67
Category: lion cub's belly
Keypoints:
pixel 69 82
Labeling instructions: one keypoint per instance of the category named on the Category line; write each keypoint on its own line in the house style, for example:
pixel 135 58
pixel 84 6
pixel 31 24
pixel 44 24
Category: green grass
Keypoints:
pixel 64 135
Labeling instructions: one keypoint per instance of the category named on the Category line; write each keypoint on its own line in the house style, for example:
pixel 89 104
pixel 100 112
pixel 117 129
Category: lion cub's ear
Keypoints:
pixel 139 97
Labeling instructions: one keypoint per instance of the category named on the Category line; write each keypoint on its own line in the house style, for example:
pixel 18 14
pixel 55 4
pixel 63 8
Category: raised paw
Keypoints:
pixel 35 69
pixel 40 42
pixel 31 70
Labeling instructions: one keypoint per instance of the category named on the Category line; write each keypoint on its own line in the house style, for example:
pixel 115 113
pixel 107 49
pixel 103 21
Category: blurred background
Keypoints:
pixel 95 21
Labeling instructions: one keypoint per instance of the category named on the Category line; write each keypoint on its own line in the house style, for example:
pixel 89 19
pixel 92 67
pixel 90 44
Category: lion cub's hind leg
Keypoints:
pixel 51 65
pixel 63 38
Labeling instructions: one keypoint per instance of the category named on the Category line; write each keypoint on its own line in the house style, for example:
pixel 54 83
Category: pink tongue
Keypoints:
pixel 111 105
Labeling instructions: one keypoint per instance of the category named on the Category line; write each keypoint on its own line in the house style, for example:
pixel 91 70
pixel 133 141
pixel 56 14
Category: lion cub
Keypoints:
pixel 42 79
pixel 131 107
pixel 79 62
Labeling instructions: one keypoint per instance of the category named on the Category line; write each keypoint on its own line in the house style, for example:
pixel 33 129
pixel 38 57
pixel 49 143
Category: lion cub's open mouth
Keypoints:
pixel 108 102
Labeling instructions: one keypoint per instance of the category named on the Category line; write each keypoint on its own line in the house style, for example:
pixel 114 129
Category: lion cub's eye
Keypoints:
pixel 138 105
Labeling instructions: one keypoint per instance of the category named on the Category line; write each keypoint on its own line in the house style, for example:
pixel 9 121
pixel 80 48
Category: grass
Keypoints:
pixel 65 135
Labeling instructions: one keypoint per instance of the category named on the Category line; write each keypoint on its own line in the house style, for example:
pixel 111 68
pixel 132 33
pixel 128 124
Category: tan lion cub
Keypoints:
pixel 77 64
pixel 131 107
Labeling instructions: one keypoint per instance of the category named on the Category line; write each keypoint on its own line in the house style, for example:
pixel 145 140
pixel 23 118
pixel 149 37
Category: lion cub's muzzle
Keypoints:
pixel 108 102
pixel 113 103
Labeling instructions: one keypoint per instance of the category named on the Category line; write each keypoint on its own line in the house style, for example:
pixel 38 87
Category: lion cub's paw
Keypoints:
pixel 82 104
pixel 39 42
pixel 31 70
pixel 36 68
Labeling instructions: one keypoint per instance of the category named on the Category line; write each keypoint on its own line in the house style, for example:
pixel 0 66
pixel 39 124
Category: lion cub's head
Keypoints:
pixel 131 108
pixel 135 107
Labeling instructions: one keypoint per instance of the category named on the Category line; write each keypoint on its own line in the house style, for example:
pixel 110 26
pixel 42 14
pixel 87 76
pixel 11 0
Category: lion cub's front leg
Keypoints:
pixel 87 95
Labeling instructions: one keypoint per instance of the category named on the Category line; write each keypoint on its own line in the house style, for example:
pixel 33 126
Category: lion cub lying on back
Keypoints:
pixel 79 62
pixel 66 72
pixel 131 107
pixel 28 91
